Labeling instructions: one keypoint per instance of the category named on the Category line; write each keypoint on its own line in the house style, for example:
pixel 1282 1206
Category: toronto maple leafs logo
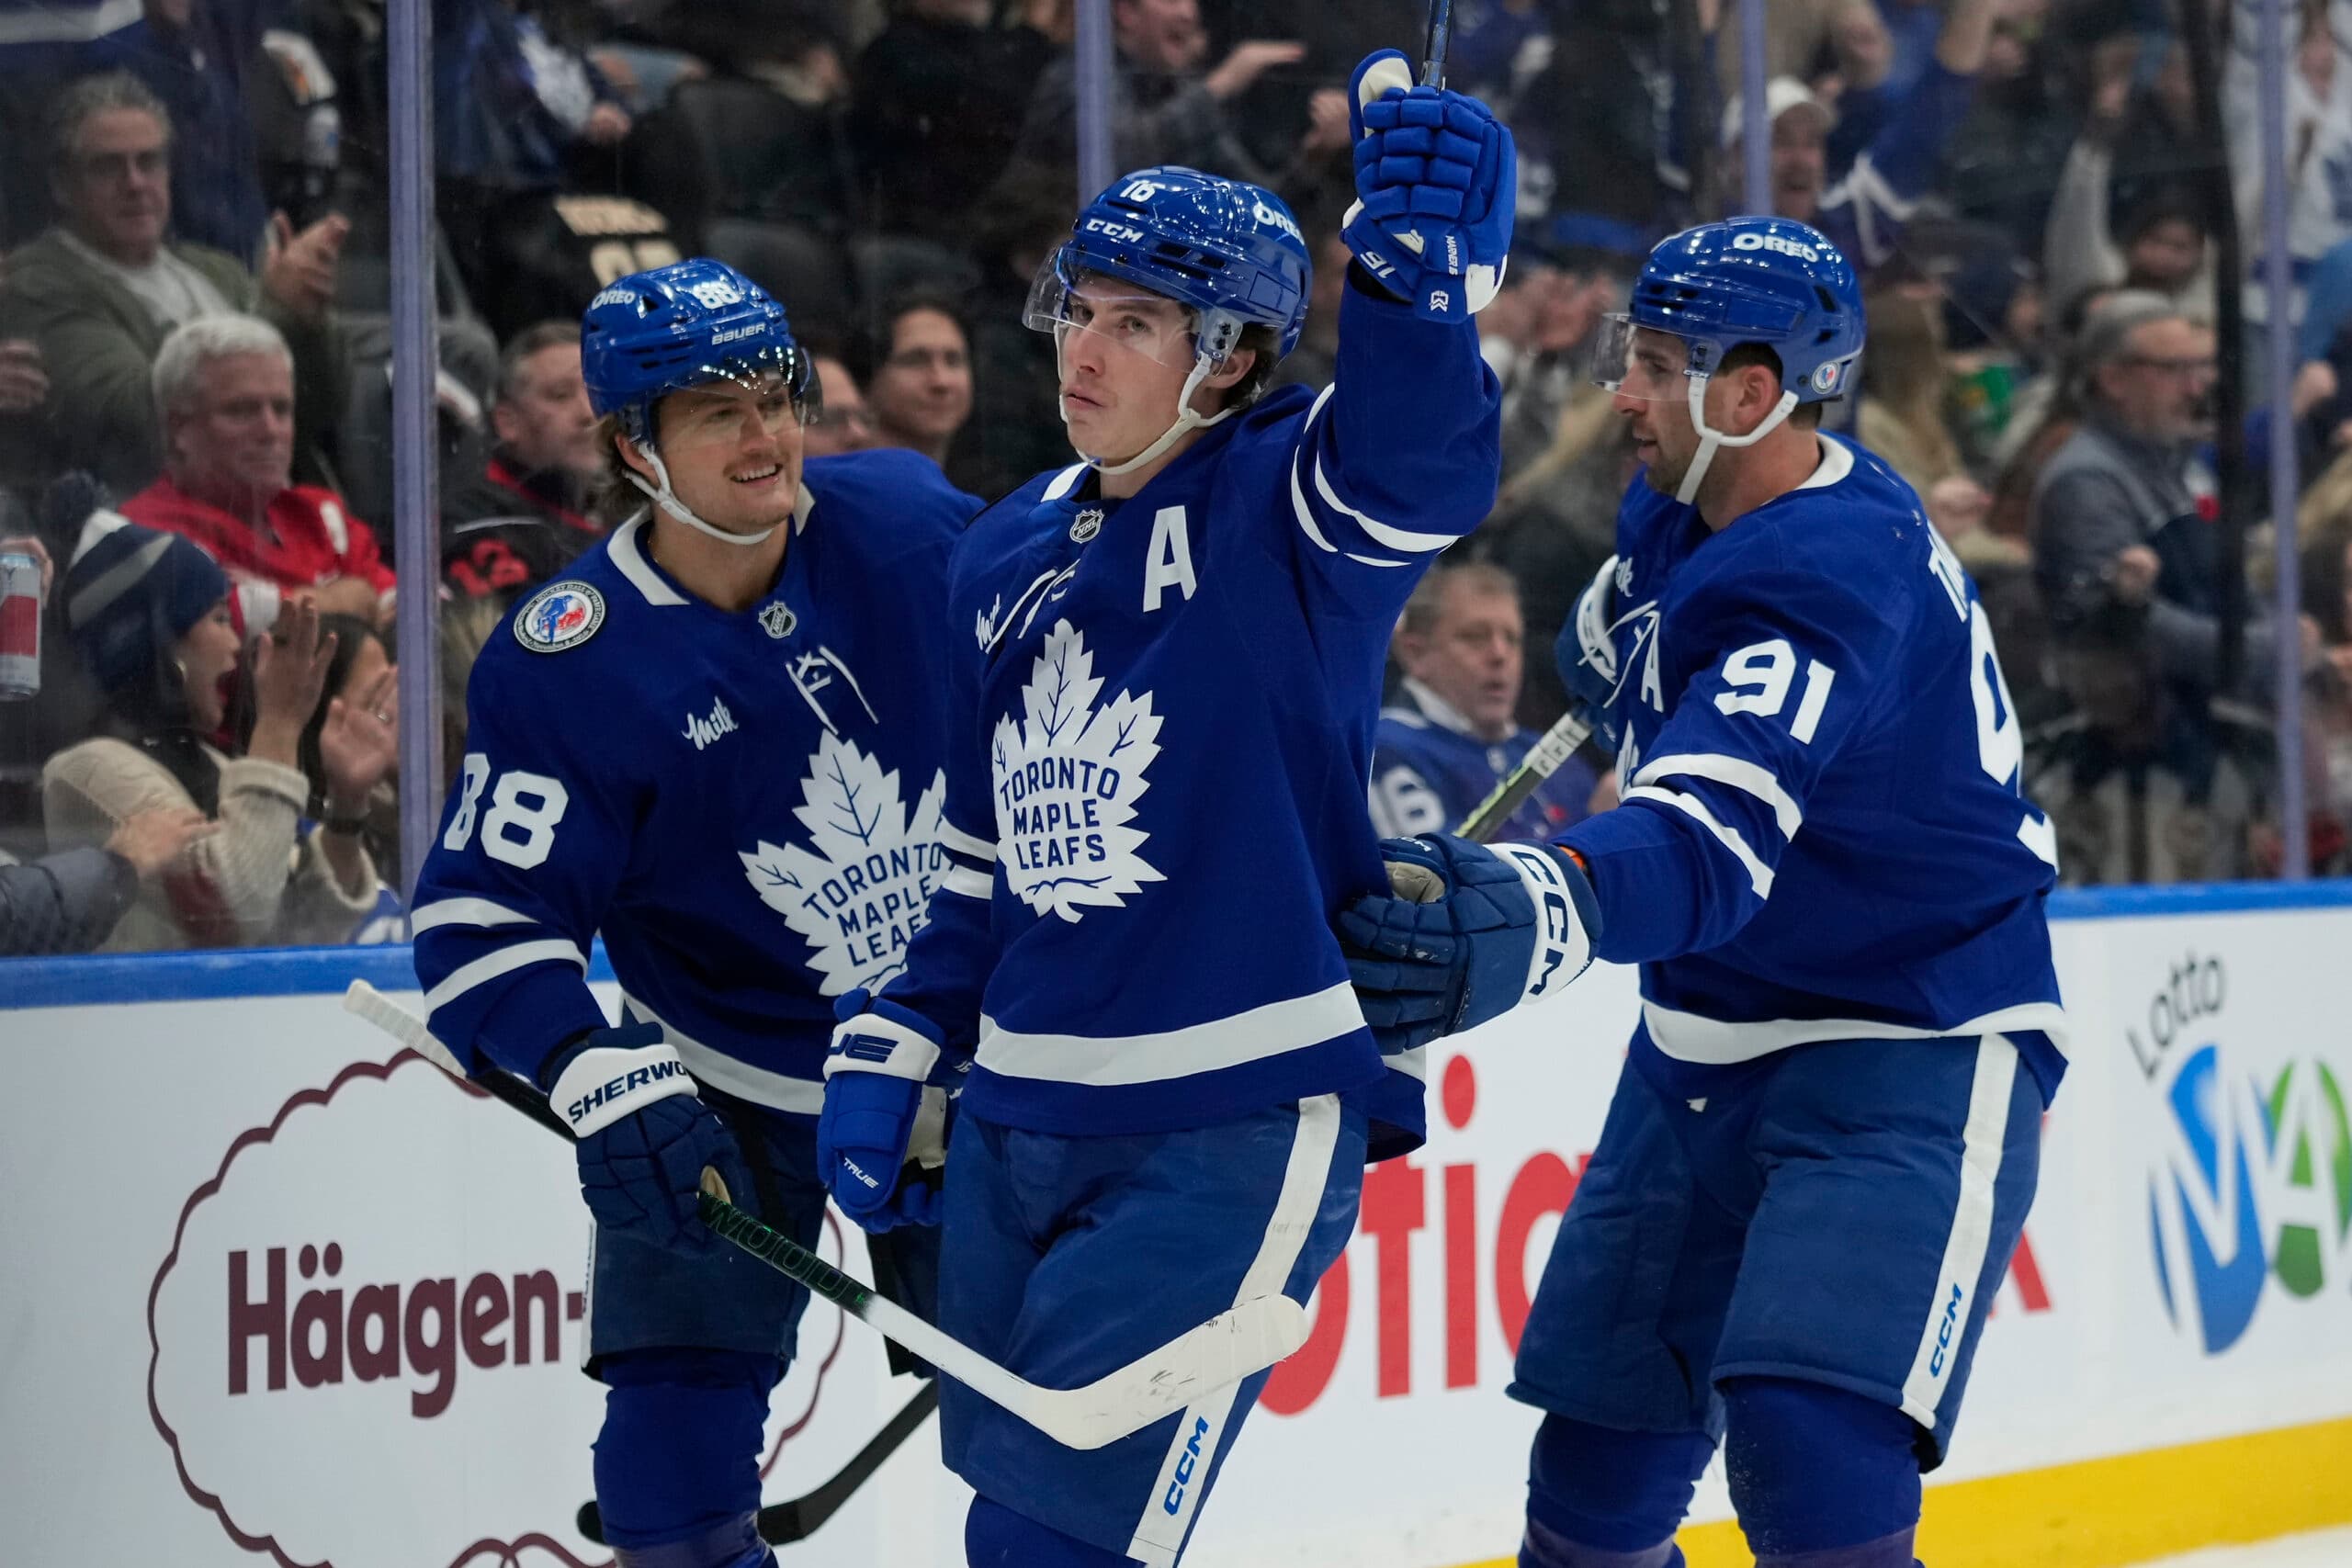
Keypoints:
pixel 858 893
pixel 1067 777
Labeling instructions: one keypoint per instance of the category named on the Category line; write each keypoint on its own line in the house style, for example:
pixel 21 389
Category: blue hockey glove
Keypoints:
pixel 644 1136
pixel 879 1114
pixel 1586 653
pixel 1465 934
pixel 1437 179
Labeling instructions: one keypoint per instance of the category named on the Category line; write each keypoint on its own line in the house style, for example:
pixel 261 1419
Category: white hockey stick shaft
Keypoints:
pixel 1211 1356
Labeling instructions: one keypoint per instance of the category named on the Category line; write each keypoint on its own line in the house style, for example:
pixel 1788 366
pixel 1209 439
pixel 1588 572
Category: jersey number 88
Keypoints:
pixel 524 810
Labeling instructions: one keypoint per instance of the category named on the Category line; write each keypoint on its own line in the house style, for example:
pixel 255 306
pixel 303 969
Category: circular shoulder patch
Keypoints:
pixel 560 615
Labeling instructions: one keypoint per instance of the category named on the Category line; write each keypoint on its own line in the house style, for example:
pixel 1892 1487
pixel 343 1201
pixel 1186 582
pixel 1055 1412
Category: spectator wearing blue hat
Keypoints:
pixel 152 616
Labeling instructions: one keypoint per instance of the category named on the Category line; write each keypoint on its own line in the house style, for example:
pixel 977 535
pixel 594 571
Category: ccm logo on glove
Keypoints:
pixel 1557 932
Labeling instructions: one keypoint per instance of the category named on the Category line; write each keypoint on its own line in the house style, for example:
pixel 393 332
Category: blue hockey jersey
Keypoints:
pixel 1167 703
pixel 1822 834
pixel 1429 772
pixel 746 805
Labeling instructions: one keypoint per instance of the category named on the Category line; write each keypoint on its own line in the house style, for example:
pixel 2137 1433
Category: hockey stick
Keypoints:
pixel 1433 50
pixel 1206 1357
pixel 1544 758
pixel 780 1524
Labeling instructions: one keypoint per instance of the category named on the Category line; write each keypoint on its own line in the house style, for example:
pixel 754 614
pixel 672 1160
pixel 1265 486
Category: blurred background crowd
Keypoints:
pixel 194 355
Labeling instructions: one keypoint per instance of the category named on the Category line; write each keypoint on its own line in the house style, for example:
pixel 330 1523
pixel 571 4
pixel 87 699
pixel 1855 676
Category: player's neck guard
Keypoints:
pixel 1710 439
pixel 667 500
pixel 1187 418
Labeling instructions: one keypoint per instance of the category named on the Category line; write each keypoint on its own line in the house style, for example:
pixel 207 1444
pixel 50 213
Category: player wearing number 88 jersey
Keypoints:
pixel 716 744
pixel 1817 1163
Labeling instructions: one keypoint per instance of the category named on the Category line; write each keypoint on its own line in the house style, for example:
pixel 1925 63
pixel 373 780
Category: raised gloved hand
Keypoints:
pixel 1437 180
pixel 644 1135
pixel 879 1114
pixel 1465 933
pixel 1586 653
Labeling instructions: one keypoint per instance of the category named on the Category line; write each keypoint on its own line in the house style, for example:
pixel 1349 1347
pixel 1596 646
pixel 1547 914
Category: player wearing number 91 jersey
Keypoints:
pixel 1816 1166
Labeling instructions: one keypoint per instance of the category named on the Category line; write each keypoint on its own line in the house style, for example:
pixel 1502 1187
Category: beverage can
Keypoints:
pixel 19 625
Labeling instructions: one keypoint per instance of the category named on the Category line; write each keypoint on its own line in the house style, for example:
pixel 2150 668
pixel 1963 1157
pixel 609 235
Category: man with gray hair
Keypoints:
pixel 2124 514
pixel 223 388
pixel 99 290
pixel 1453 733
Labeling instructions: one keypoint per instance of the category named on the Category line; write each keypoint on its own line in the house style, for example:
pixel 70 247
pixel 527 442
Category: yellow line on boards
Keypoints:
pixel 2110 1513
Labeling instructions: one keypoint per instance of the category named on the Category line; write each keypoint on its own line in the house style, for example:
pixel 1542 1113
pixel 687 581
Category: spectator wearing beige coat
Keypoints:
pixel 151 614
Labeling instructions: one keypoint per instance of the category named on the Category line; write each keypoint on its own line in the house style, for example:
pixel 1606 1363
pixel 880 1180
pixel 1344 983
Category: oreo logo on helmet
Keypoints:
pixel 1749 239
pixel 618 294
pixel 560 615
pixel 1276 217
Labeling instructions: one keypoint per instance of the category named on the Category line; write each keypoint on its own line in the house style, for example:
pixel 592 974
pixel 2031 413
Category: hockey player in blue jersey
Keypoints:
pixel 1451 735
pixel 717 741
pixel 1820 1157
pixel 1166 684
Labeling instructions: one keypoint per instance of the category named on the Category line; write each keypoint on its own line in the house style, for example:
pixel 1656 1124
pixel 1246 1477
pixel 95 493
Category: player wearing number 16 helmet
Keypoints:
pixel 1167 686
pixel 1824 1145
pixel 716 744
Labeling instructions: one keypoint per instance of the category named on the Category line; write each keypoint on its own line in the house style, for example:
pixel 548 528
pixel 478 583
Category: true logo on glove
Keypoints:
pixel 866 1047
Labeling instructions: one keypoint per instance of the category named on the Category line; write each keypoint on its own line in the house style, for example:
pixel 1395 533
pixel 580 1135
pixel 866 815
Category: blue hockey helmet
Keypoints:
pixel 1769 281
pixel 653 333
pixel 1228 249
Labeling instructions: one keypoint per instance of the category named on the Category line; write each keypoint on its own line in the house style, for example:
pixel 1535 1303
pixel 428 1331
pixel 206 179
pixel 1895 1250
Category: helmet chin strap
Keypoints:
pixel 1711 439
pixel 1187 418
pixel 667 500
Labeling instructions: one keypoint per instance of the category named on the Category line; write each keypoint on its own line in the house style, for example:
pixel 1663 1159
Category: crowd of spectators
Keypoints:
pixel 195 358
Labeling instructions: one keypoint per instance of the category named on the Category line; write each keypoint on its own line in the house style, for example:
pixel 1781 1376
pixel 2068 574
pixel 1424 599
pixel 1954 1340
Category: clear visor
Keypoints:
pixel 773 388
pixel 1634 361
pixel 1112 310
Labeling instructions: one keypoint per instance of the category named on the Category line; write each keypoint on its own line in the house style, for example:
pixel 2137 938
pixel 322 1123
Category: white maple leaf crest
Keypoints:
pixel 858 893
pixel 1068 778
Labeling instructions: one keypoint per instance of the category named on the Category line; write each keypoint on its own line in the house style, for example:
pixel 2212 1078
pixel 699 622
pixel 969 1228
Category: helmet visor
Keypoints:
pixel 1114 309
pixel 1635 361
pixel 773 388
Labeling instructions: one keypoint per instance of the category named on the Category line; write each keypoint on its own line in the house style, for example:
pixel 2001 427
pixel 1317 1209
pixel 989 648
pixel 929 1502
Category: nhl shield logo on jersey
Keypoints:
pixel 857 893
pixel 1067 777
pixel 777 620
pixel 560 615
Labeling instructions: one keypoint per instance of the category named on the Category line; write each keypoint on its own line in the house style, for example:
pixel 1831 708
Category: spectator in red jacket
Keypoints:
pixel 224 394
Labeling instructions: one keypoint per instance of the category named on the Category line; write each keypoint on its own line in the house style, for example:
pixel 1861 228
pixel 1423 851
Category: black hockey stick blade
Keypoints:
pixel 798 1518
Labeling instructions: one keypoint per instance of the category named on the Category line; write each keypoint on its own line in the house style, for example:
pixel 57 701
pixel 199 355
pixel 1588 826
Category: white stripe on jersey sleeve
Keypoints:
pixel 1736 772
pixel 1379 533
pixel 970 884
pixel 963 843
pixel 464 912
pixel 502 961
pixel 1759 875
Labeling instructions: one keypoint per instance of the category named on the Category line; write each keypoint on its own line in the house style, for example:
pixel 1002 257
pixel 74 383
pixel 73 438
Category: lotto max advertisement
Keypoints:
pixel 276 1288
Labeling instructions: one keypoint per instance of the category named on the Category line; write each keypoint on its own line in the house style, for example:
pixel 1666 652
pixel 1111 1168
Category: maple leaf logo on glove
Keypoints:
pixel 857 895
pixel 1067 777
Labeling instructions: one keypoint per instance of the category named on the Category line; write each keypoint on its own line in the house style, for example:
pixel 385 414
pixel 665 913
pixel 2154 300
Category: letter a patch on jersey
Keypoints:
pixel 858 893
pixel 1067 777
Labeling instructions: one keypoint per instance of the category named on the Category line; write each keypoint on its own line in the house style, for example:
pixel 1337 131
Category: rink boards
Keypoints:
pixel 269 1286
